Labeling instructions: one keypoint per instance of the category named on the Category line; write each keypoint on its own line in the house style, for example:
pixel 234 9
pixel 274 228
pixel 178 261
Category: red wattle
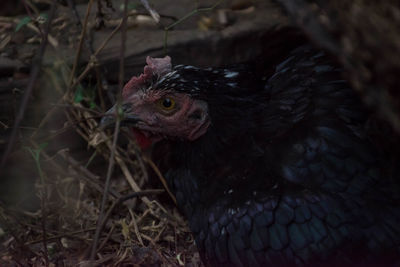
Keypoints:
pixel 143 141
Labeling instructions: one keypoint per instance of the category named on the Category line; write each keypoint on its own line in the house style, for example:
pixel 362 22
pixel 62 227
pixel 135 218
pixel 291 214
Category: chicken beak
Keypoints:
pixel 127 118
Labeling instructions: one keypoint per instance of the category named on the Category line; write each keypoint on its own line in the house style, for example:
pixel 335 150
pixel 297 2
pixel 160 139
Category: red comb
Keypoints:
pixel 155 66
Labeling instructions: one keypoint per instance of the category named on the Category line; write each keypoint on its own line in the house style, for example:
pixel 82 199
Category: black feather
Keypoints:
pixel 286 174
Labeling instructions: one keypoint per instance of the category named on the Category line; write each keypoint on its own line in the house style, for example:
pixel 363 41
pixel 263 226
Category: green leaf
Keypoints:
pixel 22 23
pixel 92 104
pixel 36 152
pixel 43 146
pixel 78 94
pixel 120 111
pixel 42 18
pixel 44 15
pixel 131 6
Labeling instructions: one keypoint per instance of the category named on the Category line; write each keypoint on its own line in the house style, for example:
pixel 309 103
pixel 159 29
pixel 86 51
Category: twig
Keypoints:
pixel 148 192
pixel 88 119
pixel 161 177
pixel 32 80
pixel 27 4
pixel 142 166
pixel 109 37
pixel 36 156
pixel 123 45
pixel 71 123
pixel 53 41
pixel 107 238
pixel 154 14
pixel 129 178
pixel 122 199
pixel 92 61
pixel 87 175
pixel 100 114
pixel 80 45
pixel 192 13
pixel 91 159
pixel 88 42
pixel 60 236
pixel 72 6
pixel 116 132
pixel 99 78
pixel 157 238
pixel 135 227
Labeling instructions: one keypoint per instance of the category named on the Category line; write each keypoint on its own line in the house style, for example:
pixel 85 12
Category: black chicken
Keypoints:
pixel 269 172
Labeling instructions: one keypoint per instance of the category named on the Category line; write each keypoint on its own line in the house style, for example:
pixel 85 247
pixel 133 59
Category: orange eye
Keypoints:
pixel 166 103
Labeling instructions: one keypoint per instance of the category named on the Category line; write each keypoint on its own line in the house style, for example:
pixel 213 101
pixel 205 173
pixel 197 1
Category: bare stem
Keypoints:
pixel 190 14
pixel 81 41
pixel 116 133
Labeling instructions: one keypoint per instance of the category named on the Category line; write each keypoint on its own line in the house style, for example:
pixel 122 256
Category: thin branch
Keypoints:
pixel 86 174
pixel 128 176
pixel 135 227
pixel 116 133
pixel 81 41
pixel 105 240
pixel 123 46
pixel 190 14
pixel 154 14
pixel 72 6
pixel 160 176
pixel 98 70
pixel 60 236
pixel 92 61
pixel 100 88
pixel 27 4
pixel 100 114
pixel 43 207
pixel 36 66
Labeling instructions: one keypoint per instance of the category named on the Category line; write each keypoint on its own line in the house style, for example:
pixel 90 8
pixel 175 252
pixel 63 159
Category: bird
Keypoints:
pixel 269 170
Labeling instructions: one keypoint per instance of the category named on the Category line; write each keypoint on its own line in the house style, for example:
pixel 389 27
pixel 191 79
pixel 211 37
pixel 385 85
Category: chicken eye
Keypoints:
pixel 167 103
